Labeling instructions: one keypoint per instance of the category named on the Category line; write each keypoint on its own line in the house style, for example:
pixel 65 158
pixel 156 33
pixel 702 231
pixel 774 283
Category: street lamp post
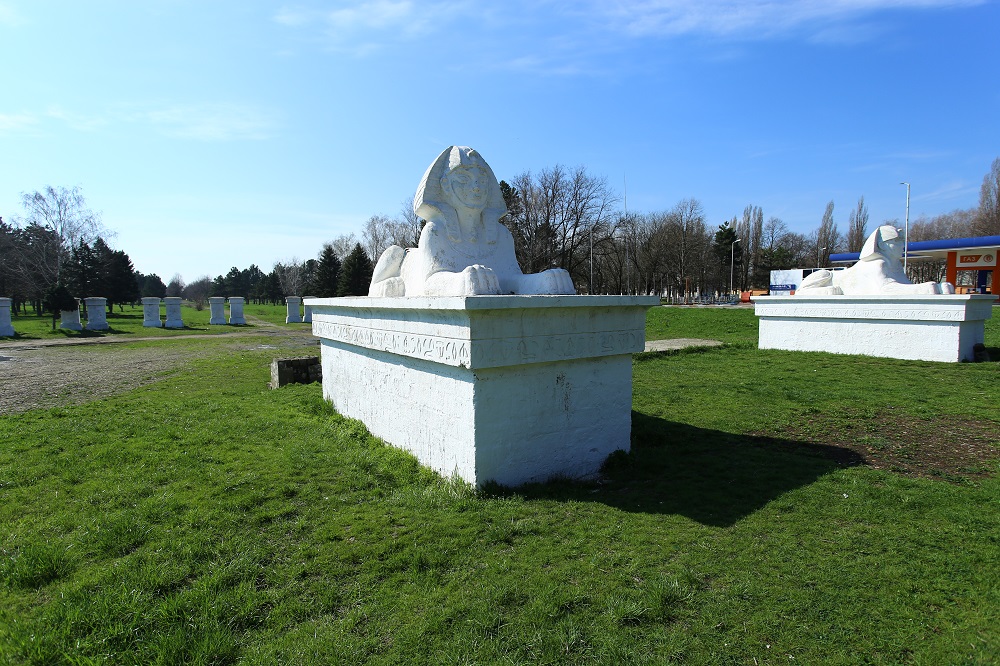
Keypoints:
pixel 732 259
pixel 906 226
pixel 819 255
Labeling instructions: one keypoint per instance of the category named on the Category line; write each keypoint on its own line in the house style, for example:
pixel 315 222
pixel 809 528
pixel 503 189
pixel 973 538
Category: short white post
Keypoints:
pixel 294 316
pixel 217 304
pixel 151 312
pixel 308 316
pixel 173 312
pixel 236 317
pixel 97 319
pixel 6 328
pixel 70 319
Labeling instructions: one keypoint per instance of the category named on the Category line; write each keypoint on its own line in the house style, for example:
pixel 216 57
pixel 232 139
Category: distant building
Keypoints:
pixel 978 254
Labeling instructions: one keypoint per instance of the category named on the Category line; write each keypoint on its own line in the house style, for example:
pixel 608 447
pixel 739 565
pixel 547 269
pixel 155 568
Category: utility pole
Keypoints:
pixel 906 226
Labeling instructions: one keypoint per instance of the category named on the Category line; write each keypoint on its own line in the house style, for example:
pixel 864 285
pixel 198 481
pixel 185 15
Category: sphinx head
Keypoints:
pixel 468 181
pixel 885 242
pixel 459 178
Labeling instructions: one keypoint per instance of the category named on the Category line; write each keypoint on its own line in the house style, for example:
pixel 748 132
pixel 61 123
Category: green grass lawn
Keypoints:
pixel 206 519
pixel 127 321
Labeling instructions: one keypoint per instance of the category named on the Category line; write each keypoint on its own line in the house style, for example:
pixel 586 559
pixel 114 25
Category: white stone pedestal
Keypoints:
pixel 236 317
pixel 217 306
pixel 173 312
pixel 508 388
pixel 97 319
pixel 918 327
pixel 151 312
pixel 294 315
pixel 307 315
pixel 6 328
pixel 70 319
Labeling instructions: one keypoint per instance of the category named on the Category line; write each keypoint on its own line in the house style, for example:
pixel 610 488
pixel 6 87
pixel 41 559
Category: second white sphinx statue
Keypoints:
pixel 878 271
pixel 463 249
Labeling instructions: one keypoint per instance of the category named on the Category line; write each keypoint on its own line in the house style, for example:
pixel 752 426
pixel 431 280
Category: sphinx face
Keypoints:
pixel 892 248
pixel 468 186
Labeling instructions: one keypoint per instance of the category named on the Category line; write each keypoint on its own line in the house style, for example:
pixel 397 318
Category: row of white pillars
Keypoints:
pixel 97 316
pixel 217 304
pixel 6 328
pixel 151 311
pixel 295 315
pixel 97 319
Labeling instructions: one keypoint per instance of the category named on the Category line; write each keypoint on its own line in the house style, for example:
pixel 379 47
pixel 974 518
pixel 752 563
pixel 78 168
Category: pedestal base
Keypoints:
pixel 506 388
pixel 920 328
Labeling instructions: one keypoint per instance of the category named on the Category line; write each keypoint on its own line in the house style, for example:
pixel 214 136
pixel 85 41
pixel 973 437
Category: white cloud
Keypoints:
pixel 10 16
pixel 211 122
pixel 751 18
pixel 955 189
pixel 366 26
pixel 75 120
pixel 14 122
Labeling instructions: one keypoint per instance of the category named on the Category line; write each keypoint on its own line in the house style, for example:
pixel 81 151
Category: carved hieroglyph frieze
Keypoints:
pixel 486 353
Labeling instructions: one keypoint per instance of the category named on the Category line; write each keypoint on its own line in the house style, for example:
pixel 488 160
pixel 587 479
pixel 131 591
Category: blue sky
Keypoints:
pixel 219 134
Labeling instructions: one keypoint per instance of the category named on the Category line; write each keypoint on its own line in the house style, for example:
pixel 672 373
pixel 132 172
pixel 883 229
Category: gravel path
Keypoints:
pixel 51 373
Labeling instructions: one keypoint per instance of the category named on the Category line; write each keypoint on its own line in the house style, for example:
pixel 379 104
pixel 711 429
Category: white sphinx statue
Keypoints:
pixel 879 271
pixel 463 248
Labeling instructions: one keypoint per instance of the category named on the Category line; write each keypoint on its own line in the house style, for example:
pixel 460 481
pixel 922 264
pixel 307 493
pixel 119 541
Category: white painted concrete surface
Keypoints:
pixel 97 319
pixel 174 319
pixel 151 312
pixel 236 317
pixel 294 315
pixel 217 310
pixel 70 319
pixel 509 388
pixel 6 327
pixel 924 327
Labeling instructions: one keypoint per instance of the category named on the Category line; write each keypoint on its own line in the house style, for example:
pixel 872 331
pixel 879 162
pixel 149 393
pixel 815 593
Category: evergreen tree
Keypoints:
pixel 57 299
pixel 356 273
pixel 324 282
pixel 79 271
pixel 219 287
pixel 122 284
pixel 151 285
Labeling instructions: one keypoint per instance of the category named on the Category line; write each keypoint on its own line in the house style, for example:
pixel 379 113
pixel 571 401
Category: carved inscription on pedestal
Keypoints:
pixel 488 353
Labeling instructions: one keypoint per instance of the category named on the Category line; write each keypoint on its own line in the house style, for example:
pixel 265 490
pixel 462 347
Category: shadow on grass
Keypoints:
pixel 712 477
pixel 994 353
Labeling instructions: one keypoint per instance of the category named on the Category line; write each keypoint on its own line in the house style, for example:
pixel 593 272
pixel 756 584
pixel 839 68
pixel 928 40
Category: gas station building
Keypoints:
pixel 978 255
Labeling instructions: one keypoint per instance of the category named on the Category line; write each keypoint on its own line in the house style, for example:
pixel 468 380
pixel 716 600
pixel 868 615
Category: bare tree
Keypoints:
pixel 198 291
pixel 988 220
pixel 684 244
pixel 176 285
pixel 377 235
pixel 411 225
pixel 556 218
pixel 857 228
pixel 292 275
pixel 827 237
pixel 960 223
pixel 343 244
pixel 64 213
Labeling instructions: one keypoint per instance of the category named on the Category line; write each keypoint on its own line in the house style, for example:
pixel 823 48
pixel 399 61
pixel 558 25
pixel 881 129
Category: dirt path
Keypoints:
pixel 51 373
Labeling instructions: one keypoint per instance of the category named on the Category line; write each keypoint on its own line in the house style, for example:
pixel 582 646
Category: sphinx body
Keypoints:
pixel 463 249
pixel 879 271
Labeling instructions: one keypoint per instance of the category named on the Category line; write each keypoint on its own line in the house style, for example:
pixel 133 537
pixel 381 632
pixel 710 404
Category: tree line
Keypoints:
pixel 571 219
pixel 59 248
pixel 559 217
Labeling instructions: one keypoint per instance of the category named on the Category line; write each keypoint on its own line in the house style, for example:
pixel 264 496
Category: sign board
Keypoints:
pixel 783 283
pixel 981 257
